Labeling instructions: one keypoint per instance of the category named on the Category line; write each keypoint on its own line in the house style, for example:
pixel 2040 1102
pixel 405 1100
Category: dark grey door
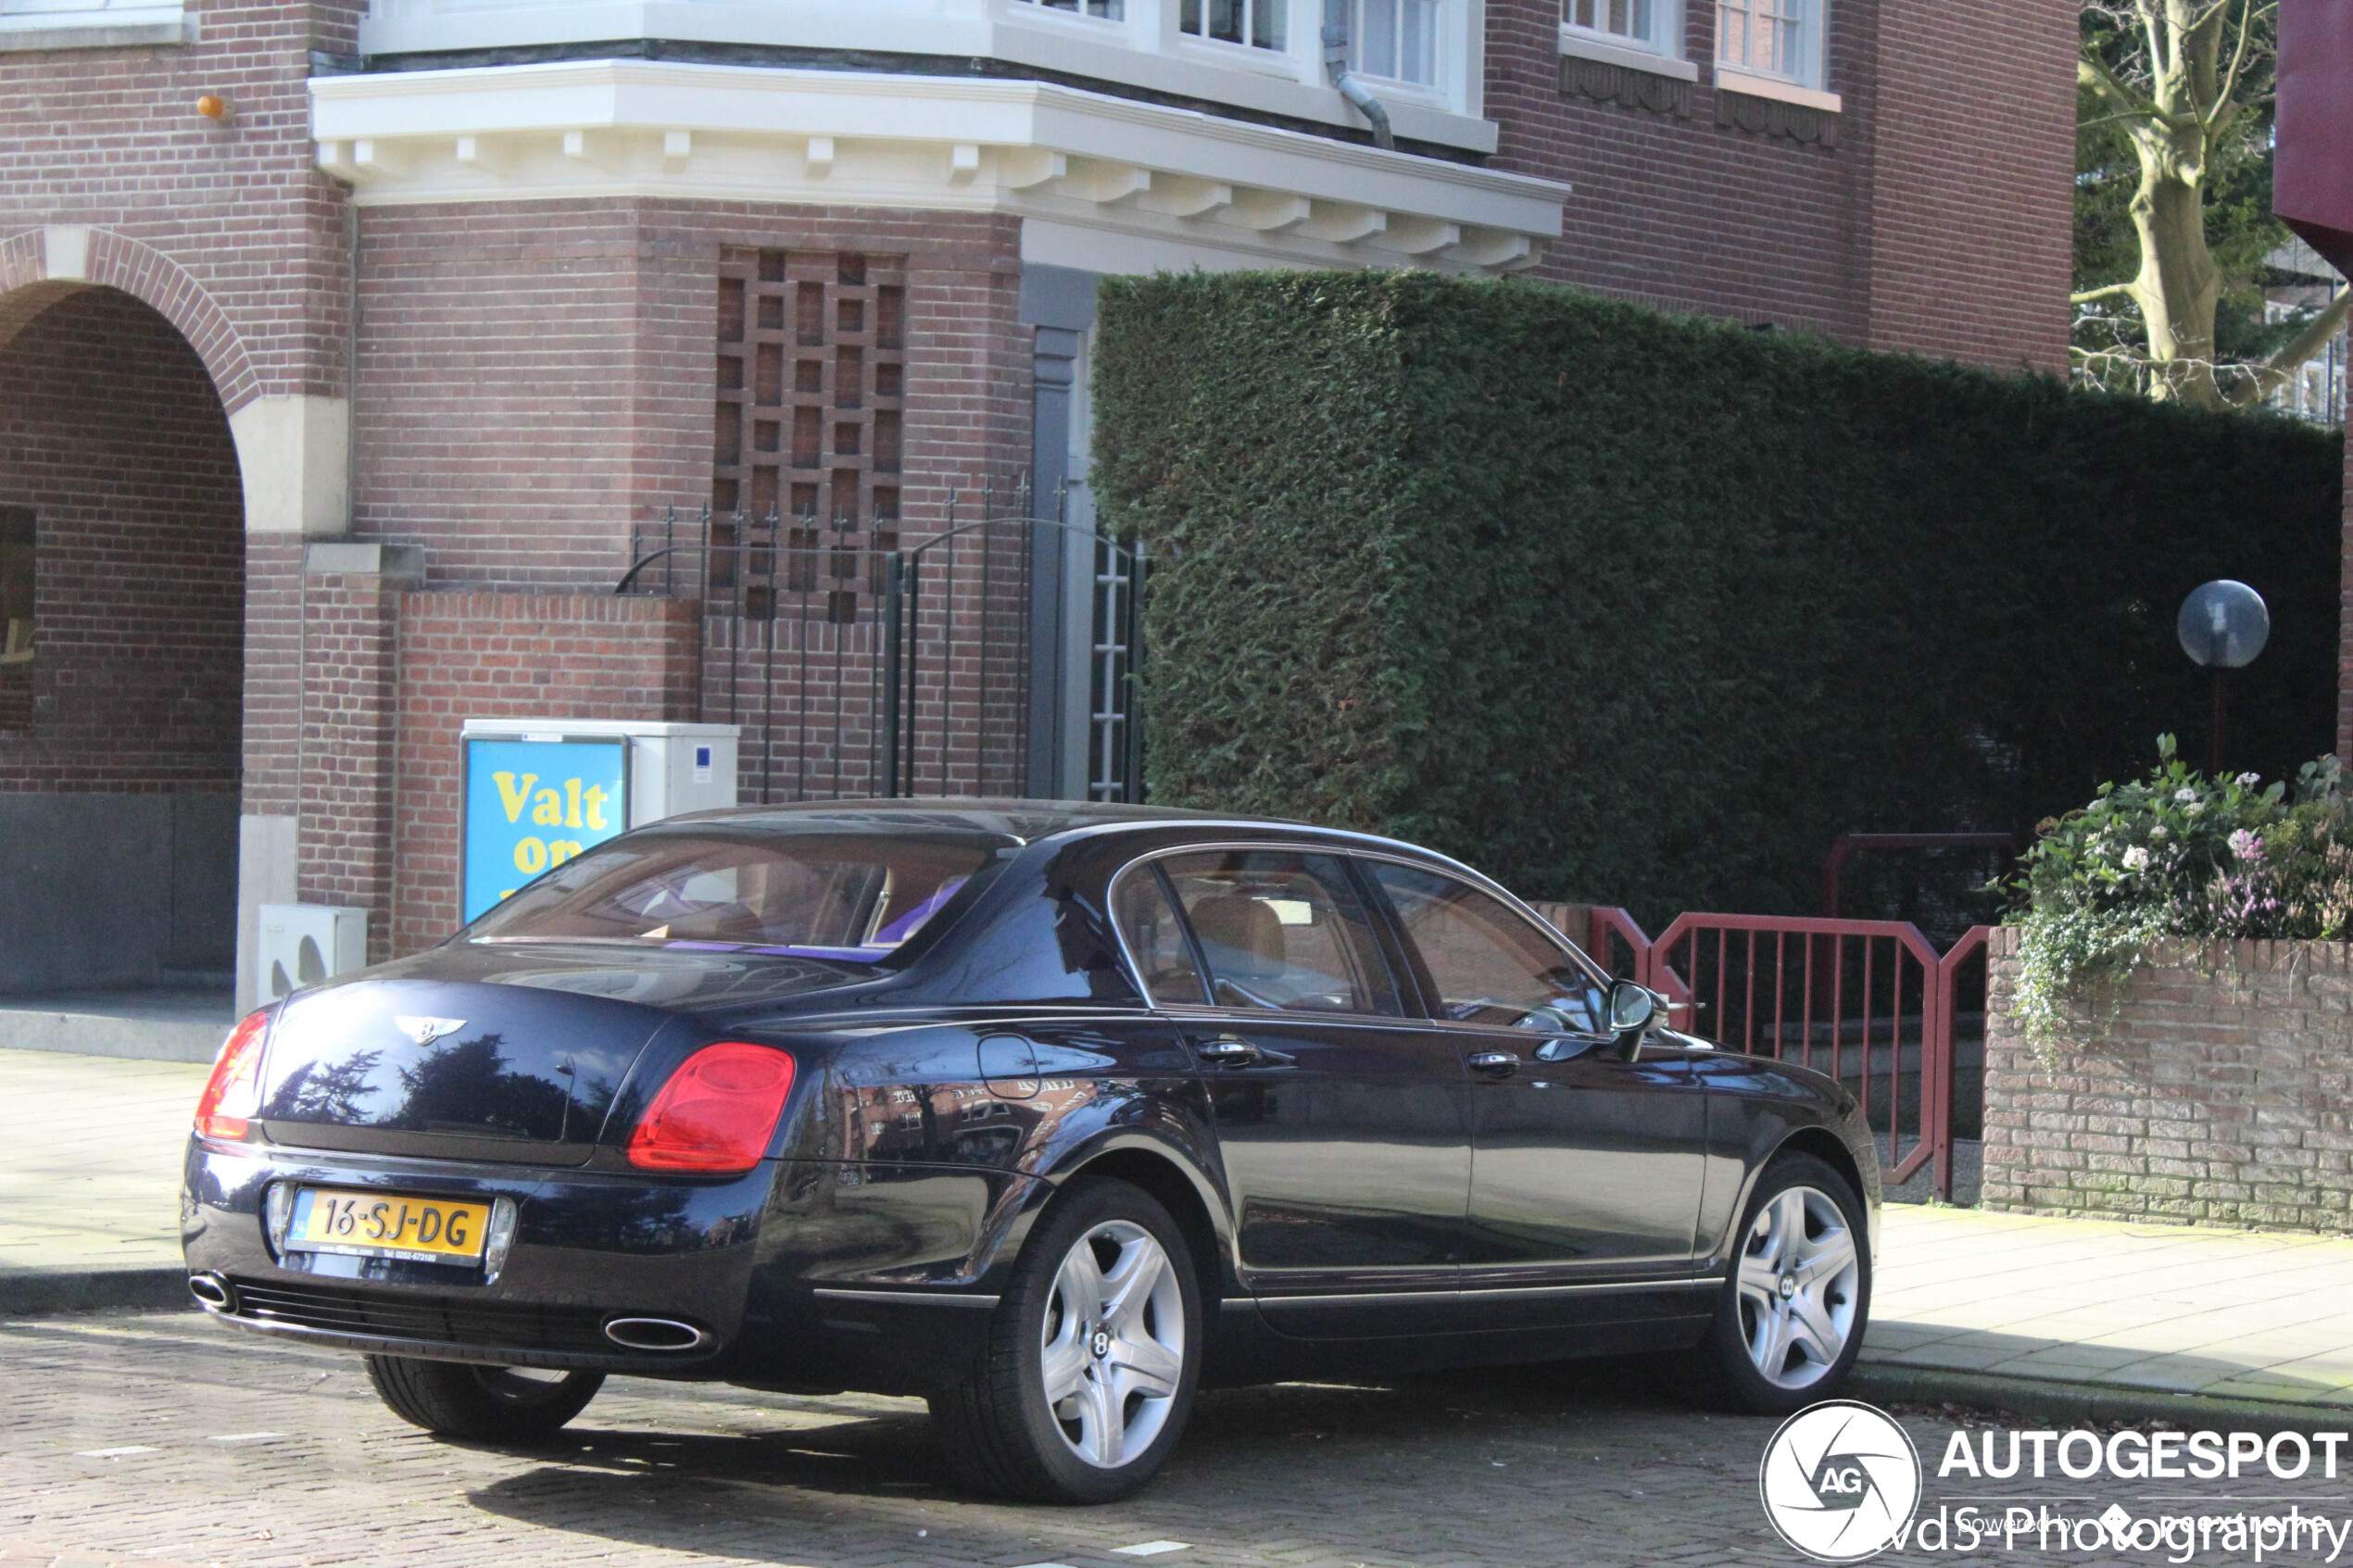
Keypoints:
pixel 1586 1167
pixel 1343 1123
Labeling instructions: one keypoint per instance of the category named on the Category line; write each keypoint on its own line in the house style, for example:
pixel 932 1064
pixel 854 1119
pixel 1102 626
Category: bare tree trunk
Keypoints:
pixel 2178 287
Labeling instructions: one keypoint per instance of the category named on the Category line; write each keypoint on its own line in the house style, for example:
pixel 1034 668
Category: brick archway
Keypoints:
pixel 38 266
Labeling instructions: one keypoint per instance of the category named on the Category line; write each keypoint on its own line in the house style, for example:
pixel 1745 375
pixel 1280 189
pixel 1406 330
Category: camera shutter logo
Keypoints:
pixel 1839 1481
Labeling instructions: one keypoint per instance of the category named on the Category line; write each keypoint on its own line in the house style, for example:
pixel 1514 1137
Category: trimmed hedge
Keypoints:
pixel 1646 609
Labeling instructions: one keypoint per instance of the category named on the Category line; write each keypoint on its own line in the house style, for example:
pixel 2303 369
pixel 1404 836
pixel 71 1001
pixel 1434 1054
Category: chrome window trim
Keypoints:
pixel 1276 846
pixel 915 1297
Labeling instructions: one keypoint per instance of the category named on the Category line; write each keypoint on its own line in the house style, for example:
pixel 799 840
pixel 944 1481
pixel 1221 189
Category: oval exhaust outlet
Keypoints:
pixel 655 1333
pixel 213 1293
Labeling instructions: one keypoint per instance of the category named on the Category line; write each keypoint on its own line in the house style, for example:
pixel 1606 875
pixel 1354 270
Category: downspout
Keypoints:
pixel 1336 66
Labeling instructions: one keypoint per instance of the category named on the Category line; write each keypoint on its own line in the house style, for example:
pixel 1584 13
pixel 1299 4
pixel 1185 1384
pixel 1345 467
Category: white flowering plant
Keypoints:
pixel 2179 855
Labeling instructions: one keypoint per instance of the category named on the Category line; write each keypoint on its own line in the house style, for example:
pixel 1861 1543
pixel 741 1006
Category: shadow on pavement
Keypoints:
pixel 1375 1454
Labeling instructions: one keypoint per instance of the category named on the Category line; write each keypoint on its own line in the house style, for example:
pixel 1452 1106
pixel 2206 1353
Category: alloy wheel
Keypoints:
pixel 1799 1277
pixel 1112 1344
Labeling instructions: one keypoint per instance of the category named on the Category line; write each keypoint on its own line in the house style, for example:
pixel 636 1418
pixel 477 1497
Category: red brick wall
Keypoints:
pixel 1970 233
pixel 1921 219
pixel 536 378
pixel 349 713
pixel 2345 667
pixel 110 430
pixel 110 138
pixel 512 655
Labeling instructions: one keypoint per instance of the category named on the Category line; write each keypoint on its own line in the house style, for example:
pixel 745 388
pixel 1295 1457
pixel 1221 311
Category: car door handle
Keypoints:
pixel 1227 1052
pixel 1497 1064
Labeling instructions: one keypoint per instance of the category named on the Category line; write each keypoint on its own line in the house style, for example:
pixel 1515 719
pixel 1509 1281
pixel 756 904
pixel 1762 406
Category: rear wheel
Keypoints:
pixel 1791 1320
pixel 481 1404
pixel 1092 1358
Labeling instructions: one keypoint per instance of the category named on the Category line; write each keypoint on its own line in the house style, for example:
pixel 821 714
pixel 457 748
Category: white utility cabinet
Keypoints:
pixel 303 944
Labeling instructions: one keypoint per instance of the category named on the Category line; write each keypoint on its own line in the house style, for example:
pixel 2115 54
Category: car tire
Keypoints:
pixel 480 1404
pixel 1789 1321
pixel 1074 1402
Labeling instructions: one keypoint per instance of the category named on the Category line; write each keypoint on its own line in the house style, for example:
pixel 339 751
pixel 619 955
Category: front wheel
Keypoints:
pixel 1092 1356
pixel 481 1404
pixel 1791 1320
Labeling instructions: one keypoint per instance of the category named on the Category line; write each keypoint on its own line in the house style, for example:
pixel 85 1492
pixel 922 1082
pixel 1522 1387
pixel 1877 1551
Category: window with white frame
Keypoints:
pixel 1109 10
pixel 1256 22
pixel 1770 37
pixel 1397 39
pixel 1642 23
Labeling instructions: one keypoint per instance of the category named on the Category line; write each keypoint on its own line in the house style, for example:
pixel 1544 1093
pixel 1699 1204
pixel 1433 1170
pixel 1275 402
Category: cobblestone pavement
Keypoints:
pixel 169 1440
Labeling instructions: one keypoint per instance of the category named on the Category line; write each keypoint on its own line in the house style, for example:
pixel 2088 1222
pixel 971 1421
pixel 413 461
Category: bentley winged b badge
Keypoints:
pixel 425 1031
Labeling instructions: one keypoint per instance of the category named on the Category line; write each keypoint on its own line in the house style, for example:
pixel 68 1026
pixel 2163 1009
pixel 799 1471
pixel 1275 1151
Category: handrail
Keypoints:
pixel 1818 985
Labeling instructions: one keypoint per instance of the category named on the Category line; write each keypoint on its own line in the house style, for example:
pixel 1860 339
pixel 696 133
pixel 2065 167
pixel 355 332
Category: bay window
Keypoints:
pixel 1397 39
pixel 1638 22
pixel 1770 38
pixel 1256 22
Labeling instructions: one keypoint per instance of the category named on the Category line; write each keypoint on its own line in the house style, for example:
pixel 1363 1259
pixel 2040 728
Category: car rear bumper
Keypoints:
pixel 785 1287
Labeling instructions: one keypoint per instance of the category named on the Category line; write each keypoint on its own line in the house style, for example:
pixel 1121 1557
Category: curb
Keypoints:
pixel 38 1293
pixel 2082 1403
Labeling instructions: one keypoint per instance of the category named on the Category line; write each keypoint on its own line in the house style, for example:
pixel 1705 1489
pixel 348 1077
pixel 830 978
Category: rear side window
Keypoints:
pixel 1489 965
pixel 854 898
pixel 1282 930
pixel 1156 940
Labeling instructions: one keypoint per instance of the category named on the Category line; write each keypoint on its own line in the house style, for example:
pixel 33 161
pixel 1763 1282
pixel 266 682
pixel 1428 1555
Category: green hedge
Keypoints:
pixel 1646 609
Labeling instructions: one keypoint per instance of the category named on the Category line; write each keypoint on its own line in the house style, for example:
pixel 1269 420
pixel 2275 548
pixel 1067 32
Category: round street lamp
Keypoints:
pixel 2223 626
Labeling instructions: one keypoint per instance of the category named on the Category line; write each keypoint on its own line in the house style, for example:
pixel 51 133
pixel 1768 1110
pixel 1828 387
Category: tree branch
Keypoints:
pixel 2299 349
pixel 2225 107
pixel 2088 296
pixel 2096 78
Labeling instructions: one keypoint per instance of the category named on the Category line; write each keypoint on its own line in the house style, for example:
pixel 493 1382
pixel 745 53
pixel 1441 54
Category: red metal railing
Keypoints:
pixel 1870 1002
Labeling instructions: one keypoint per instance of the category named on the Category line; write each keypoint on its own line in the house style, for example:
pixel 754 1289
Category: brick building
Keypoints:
pixel 354 353
pixel 2313 193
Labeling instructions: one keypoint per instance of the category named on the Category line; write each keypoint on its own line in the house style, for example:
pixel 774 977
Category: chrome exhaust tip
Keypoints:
pixel 213 1293
pixel 655 1334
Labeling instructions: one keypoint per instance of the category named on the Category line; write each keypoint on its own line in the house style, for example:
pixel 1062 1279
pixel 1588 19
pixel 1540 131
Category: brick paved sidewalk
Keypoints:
pixel 90 1170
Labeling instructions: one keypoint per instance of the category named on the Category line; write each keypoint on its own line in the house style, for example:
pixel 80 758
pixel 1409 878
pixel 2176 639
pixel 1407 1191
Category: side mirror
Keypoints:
pixel 1631 1008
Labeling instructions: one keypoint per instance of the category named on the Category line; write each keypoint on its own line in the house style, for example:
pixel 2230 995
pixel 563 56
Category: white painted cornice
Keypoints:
pixel 658 129
pixel 1143 49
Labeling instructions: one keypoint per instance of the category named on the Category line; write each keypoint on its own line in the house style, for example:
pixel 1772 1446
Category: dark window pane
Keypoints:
pixel 1155 939
pixel 1489 965
pixel 1282 930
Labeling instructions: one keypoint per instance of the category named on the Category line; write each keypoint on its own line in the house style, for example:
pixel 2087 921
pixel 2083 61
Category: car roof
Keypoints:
pixel 1033 822
pixel 1028 820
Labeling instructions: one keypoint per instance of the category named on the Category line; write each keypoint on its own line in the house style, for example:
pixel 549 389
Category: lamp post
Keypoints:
pixel 2223 626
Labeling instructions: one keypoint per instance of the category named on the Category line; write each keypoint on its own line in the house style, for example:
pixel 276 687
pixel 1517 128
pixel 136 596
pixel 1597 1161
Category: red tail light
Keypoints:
pixel 233 1093
pixel 717 1112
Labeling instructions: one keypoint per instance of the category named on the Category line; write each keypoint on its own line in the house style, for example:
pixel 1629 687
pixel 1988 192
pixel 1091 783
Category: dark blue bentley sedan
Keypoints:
pixel 1047 1113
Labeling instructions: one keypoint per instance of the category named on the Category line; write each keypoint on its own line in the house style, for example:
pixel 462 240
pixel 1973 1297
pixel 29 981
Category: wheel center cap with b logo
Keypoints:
pixel 1789 1287
pixel 1101 1343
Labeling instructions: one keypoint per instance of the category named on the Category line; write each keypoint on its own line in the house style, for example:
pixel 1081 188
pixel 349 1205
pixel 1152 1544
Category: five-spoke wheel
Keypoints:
pixel 1790 1319
pixel 1798 1285
pixel 1111 1354
pixel 1092 1362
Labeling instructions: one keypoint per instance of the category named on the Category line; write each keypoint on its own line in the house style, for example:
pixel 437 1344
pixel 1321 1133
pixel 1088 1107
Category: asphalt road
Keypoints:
pixel 168 1438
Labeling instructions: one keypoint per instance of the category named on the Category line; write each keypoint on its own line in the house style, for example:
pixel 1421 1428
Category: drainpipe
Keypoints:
pixel 1336 66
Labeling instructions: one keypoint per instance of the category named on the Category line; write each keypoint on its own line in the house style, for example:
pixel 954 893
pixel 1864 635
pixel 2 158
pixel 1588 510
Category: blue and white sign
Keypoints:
pixel 532 804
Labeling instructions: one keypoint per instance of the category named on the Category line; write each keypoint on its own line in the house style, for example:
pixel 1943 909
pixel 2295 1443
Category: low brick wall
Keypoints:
pixel 2222 1094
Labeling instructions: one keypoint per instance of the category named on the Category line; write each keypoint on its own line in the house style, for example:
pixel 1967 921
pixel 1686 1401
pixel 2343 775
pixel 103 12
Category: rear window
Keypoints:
pixel 854 897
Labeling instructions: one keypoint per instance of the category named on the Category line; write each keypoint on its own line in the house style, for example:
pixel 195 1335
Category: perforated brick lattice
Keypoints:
pixel 810 422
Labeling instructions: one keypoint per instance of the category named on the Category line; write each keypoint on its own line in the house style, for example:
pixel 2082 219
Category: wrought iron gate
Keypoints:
pixel 862 667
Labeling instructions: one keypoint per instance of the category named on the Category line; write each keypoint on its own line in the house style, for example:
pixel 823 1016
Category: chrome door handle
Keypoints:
pixel 1501 1064
pixel 1226 1053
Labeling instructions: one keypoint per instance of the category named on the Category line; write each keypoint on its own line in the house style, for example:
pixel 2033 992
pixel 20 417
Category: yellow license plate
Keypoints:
pixel 369 1224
